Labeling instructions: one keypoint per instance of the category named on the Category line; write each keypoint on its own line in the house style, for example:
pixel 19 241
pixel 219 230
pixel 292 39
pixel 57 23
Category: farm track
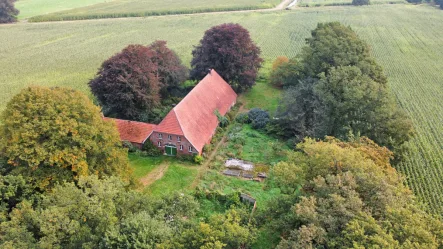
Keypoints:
pixel 155 174
pixel 279 7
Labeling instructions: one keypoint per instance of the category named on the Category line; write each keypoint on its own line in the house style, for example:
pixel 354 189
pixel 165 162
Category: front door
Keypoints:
pixel 171 150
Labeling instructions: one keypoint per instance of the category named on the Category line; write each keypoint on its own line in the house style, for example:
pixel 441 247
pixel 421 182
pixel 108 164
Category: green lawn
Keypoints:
pixel 93 9
pixel 177 178
pixel 406 41
pixel 143 165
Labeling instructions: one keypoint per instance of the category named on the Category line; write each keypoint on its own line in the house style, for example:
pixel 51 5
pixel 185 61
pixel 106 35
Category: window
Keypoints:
pixel 181 147
pixel 169 137
pixel 159 144
pixel 190 148
pixel 160 136
pixel 179 138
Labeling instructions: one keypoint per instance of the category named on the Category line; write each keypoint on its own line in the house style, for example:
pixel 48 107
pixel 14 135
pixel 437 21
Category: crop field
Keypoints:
pixel 51 10
pixel 318 3
pixel 406 41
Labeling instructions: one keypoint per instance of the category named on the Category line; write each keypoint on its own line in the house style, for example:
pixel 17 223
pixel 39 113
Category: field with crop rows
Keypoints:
pixel 95 9
pixel 29 8
pixel 318 3
pixel 406 40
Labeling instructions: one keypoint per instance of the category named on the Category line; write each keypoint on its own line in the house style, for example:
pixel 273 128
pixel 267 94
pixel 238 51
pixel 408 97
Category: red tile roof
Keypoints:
pixel 132 131
pixel 194 116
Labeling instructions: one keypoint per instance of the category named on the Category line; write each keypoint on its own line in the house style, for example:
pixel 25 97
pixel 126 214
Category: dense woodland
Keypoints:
pixel 65 180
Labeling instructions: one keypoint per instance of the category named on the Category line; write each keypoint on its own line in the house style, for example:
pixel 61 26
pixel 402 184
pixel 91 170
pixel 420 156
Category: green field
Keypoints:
pixel 143 165
pixel 406 41
pixel 318 3
pixel 92 9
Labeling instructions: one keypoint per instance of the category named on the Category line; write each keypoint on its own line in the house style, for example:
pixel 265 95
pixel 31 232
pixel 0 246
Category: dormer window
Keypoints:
pixel 169 137
pixel 160 136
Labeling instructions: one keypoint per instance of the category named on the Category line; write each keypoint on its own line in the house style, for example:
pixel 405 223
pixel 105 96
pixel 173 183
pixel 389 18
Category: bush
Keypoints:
pixel 198 159
pixel 151 149
pixel 131 148
pixel 242 118
pixel 185 157
pixel 361 2
pixel 259 118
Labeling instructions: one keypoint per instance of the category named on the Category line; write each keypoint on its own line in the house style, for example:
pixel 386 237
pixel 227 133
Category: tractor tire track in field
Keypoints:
pixel 155 174
pixel 280 6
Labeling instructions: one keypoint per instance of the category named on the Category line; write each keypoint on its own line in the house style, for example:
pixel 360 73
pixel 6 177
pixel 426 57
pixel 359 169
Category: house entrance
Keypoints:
pixel 171 150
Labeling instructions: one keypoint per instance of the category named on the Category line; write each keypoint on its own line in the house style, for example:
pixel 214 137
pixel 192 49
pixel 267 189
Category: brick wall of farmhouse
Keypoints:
pixel 164 140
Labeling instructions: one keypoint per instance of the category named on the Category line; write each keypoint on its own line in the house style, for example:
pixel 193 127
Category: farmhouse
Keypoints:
pixel 190 124
pixel 132 131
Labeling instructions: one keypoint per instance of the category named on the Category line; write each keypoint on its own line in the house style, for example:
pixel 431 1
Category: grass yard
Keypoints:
pixel 248 144
pixel 143 165
pixel 49 10
pixel 177 178
pixel 406 41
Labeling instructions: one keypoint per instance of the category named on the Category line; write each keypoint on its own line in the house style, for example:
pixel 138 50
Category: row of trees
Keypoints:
pixel 335 88
pixel 8 12
pixel 139 82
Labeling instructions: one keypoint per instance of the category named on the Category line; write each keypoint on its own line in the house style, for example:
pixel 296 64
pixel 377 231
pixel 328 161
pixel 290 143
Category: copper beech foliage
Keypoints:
pixel 8 12
pixel 57 134
pixel 229 50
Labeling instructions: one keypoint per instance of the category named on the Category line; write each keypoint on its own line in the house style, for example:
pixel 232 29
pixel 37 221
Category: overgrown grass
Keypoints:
pixel 143 165
pixel 256 147
pixel 142 8
pixel 177 178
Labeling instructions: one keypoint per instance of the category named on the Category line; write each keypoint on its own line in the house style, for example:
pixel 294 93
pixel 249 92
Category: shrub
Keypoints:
pixel 361 2
pixel 151 149
pixel 185 157
pixel 198 159
pixel 259 118
pixel 131 148
pixel 242 118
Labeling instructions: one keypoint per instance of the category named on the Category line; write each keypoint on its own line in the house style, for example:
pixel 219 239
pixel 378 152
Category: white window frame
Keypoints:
pixel 181 147
pixel 190 149
pixel 159 144
pixel 160 136
pixel 179 139
pixel 170 137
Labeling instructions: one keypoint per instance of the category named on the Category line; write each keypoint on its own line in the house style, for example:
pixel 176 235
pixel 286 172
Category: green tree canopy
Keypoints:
pixel 351 198
pixel 56 134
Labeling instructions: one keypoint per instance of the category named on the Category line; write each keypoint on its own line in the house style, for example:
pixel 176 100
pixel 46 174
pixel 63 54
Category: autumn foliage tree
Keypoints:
pixel 8 12
pixel 229 50
pixel 51 135
pixel 350 197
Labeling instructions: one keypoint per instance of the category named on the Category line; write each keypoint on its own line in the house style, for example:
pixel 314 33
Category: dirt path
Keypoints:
pixel 281 6
pixel 155 174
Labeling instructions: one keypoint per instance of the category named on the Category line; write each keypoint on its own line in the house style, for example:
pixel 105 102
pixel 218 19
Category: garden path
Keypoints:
pixel 155 174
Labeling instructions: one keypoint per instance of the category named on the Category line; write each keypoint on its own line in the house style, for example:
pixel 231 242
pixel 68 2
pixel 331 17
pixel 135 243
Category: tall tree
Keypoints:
pixel 8 12
pixel 52 135
pixel 229 50
pixel 333 45
pixel 170 70
pixel 128 84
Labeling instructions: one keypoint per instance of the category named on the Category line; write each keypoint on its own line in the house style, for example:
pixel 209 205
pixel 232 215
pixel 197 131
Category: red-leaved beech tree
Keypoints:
pixel 229 50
